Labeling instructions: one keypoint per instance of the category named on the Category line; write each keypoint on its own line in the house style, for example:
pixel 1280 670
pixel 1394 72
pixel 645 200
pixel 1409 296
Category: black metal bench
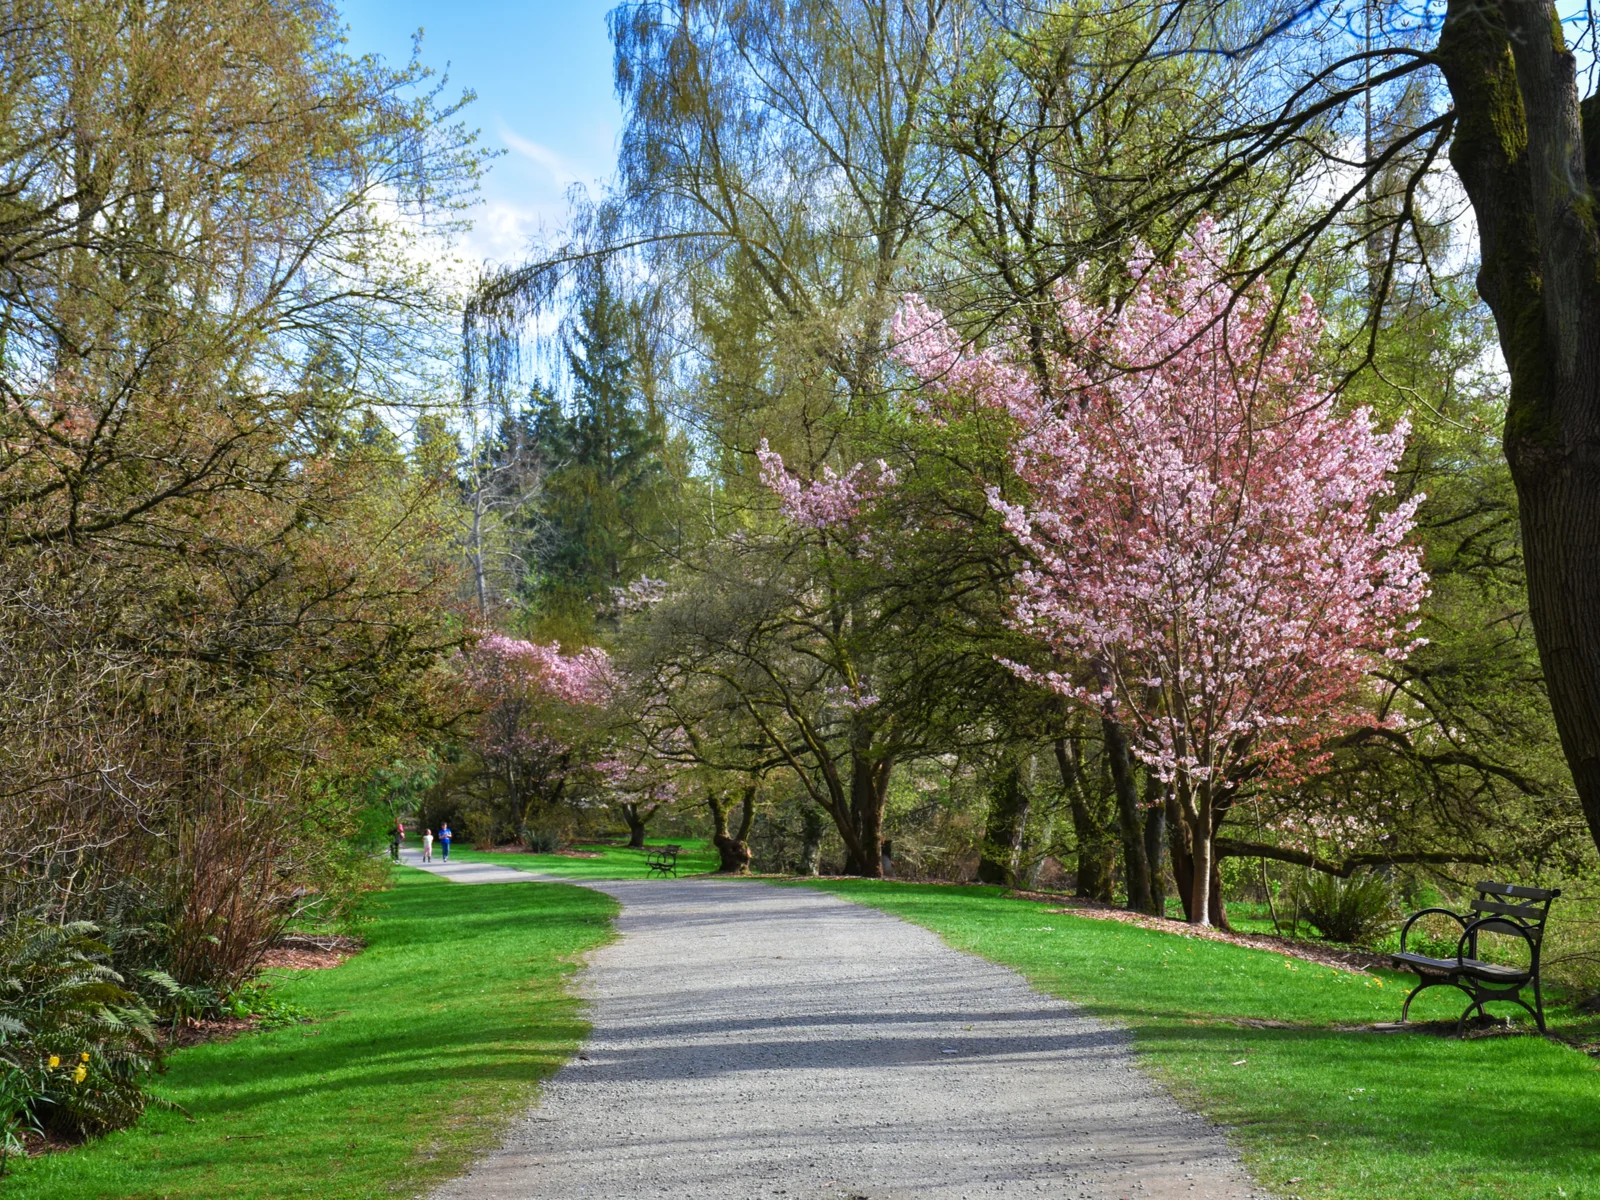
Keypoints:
pixel 1484 982
pixel 662 860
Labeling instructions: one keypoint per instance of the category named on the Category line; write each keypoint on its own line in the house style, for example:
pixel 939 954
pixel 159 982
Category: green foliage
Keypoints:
pixel 541 841
pixel 1357 911
pixel 76 1045
pixel 267 1005
pixel 423 1047
pixel 608 496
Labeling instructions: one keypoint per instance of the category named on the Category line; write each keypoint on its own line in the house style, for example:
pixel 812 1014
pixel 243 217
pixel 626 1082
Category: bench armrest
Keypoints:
pixel 1502 925
pixel 1412 920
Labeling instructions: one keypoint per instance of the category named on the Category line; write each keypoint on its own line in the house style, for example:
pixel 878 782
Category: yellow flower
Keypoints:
pixel 80 1074
pixel 85 1057
pixel 55 1060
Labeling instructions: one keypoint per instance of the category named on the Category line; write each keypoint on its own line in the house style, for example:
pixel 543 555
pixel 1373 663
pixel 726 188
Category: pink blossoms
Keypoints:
pixel 1207 561
pixel 538 734
pixel 832 500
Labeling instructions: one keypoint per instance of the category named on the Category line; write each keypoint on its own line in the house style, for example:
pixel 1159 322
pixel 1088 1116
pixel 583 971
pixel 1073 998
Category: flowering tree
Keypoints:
pixel 832 501
pixel 1208 564
pixel 537 734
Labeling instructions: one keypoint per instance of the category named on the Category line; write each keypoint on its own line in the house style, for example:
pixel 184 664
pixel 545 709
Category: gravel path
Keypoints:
pixel 754 1041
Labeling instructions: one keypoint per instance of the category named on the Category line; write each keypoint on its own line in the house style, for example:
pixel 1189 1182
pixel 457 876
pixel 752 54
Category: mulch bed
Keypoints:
pixel 197 1031
pixel 298 952
pixel 1356 962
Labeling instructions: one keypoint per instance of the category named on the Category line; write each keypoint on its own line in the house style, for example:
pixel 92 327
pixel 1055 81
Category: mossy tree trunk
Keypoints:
pixel 1135 868
pixel 1097 852
pixel 733 849
pixel 1009 805
pixel 1528 153
pixel 637 816
pixel 813 825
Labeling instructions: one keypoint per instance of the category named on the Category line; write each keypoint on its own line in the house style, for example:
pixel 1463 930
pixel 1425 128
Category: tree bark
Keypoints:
pixel 1008 819
pixel 814 824
pixel 1096 855
pixel 1198 814
pixel 1178 843
pixel 733 850
pixel 1524 149
pixel 869 786
pixel 637 820
pixel 1350 863
pixel 1136 870
pixel 1155 836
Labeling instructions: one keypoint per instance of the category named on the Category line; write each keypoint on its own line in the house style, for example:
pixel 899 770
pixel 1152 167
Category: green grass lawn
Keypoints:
pixel 1318 1110
pixel 615 862
pixel 422 1047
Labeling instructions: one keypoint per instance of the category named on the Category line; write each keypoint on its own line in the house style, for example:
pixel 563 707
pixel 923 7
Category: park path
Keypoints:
pixel 756 1041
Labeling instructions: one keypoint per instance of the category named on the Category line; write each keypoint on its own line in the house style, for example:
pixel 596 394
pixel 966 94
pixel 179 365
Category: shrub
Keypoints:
pixel 1358 910
pixel 541 841
pixel 76 1045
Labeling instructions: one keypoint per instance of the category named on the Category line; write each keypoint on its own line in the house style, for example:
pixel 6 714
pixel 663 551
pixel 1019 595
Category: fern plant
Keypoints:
pixel 77 1044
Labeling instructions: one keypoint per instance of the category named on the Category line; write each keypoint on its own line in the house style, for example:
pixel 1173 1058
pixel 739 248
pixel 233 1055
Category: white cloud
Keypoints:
pixel 561 172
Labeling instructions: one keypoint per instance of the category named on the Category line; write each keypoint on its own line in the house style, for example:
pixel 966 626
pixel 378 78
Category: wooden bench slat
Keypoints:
pixel 1516 889
pixel 1528 912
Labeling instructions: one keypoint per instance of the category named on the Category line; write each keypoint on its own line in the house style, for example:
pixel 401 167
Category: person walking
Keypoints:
pixel 394 844
pixel 427 845
pixel 444 837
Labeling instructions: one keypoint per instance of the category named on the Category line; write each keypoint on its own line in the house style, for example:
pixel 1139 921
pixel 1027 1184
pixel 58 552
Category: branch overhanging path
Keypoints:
pixel 751 1040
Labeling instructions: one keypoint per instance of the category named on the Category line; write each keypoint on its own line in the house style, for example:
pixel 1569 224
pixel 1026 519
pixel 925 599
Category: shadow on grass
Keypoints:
pixel 421 1047
pixel 1331 1111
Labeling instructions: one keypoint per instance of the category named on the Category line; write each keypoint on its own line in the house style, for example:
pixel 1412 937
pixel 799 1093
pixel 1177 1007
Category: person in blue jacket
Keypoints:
pixel 444 839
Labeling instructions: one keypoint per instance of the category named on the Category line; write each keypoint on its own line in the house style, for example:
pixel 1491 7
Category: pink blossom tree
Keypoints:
pixel 538 735
pixel 1209 564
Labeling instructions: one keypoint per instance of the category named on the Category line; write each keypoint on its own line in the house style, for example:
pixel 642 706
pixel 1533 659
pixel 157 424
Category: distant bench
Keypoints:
pixel 1496 910
pixel 662 860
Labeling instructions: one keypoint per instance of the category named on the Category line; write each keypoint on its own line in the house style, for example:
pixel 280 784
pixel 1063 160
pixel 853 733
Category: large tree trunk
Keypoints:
pixel 1180 843
pixel 1524 149
pixel 869 786
pixel 733 850
pixel 813 825
pixel 637 820
pixel 1009 803
pixel 1136 871
pixel 1178 846
pixel 1097 853
pixel 1193 860
pixel 1155 836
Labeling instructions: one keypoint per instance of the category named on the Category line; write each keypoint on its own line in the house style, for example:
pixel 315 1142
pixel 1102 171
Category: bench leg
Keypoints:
pixel 1405 1009
pixel 1480 997
pixel 1422 983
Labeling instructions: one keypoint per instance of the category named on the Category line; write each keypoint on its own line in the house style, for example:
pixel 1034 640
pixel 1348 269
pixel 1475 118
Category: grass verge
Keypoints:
pixel 1318 1110
pixel 614 862
pixel 420 1050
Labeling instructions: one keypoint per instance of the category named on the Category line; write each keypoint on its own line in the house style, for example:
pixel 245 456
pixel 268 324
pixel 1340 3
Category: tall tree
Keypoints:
pixel 1498 92
pixel 608 492
pixel 1206 560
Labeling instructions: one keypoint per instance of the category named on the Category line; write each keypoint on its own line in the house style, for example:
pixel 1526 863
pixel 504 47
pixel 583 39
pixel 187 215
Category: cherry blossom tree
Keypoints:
pixel 832 501
pixel 1209 564
pixel 538 735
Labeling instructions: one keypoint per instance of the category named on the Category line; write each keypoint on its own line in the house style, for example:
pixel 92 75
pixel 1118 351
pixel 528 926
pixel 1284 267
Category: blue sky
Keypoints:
pixel 542 72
